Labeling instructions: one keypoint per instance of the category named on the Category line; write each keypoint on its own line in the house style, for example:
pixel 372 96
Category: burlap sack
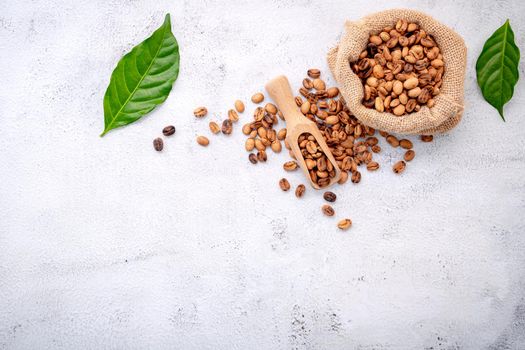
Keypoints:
pixel 448 108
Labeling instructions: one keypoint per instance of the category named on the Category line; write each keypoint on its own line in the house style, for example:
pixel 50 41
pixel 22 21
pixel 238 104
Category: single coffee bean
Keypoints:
pixel 409 155
pixel 399 167
pixel 158 144
pixel 257 98
pixel 168 130
pixel 427 138
pixel 392 140
pixel 232 115
pixel 299 191
pixel 406 144
pixel 372 166
pixel 290 166
pixel 253 158
pixel 343 178
pixel 356 177
pixel 203 141
pixel 200 112
pixel 214 127
pixel 344 224
pixel 328 210
pixel 270 108
pixel 329 196
pixel 284 184
pixel 227 126
pixel 262 156
pixel 314 73
pixel 239 106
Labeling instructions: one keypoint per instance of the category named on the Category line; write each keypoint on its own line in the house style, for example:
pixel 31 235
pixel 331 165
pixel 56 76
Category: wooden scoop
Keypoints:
pixel 297 124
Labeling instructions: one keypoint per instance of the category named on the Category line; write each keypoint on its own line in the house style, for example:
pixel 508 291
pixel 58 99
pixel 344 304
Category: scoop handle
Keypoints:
pixel 280 91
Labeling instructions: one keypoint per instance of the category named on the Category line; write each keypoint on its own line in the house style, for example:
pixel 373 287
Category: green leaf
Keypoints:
pixel 497 67
pixel 142 79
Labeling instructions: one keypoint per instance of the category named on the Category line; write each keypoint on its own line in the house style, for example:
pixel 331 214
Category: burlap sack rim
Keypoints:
pixel 434 119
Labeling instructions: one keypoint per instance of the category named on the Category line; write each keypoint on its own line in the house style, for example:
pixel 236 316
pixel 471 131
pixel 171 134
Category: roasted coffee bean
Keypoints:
pixel 399 167
pixel 284 184
pixel 314 73
pixel 427 138
pixel 168 130
pixel 261 156
pixel 239 106
pixel 203 141
pixel 406 144
pixel 409 155
pixel 158 144
pixel 290 166
pixel 214 127
pixel 344 224
pixel 356 177
pixel 329 196
pixel 253 158
pixel 232 115
pixel 257 98
pixel 227 127
pixel 299 191
pixel 328 210
pixel 372 166
pixel 392 140
pixel 200 112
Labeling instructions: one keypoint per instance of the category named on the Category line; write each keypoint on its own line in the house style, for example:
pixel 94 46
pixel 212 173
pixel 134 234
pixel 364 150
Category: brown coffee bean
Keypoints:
pixel 328 210
pixel 270 108
pixel 168 130
pixel 249 145
pixel 281 134
pixel 239 106
pixel 227 127
pixel 253 158
pixel 307 83
pixel 314 73
pixel 299 191
pixel 343 178
pixel 284 184
pixel 214 127
pixel 200 112
pixel 356 177
pixel 372 166
pixel 257 98
pixel 406 144
pixel 261 156
pixel 319 84
pixel 399 167
pixel 290 166
pixel 276 146
pixel 203 141
pixel 427 138
pixel 232 115
pixel 376 148
pixel 158 144
pixel 409 155
pixel 392 140
pixel 329 196
pixel 344 224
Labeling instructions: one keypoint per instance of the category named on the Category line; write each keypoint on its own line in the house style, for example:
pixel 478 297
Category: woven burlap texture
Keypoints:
pixel 448 108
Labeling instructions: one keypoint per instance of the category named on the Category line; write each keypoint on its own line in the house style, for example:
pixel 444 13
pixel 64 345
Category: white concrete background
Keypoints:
pixel 106 244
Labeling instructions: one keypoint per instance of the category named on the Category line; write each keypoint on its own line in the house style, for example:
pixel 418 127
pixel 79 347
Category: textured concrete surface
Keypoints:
pixel 105 243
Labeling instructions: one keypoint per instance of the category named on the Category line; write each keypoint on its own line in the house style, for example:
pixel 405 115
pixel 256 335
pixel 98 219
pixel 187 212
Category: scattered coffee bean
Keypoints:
pixel 158 144
pixel 344 224
pixel 232 115
pixel 299 191
pixel 253 158
pixel 372 166
pixel 427 138
pixel 409 155
pixel 239 106
pixel 329 196
pixel 227 127
pixel 406 144
pixel 328 210
pixel 399 167
pixel 270 108
pixel 168 130
pixel 257 98
pixel 314 73
pixel 290 166
pixel 392 140
pixel 284 184
pixel 214 127
pixel 261 156
pixel 203 141
pixel 200 112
